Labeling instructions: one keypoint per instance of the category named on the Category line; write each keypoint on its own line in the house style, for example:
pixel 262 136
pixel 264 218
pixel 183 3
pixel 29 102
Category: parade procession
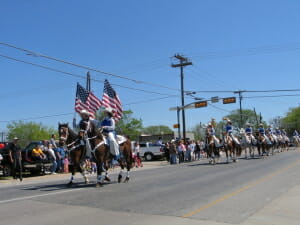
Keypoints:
pixel 149 112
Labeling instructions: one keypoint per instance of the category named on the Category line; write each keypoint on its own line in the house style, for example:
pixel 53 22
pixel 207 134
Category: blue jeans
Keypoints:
pixel 173 158
pixel 53 167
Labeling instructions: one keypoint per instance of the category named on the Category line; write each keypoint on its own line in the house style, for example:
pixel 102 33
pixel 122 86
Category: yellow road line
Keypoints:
pixel 223 198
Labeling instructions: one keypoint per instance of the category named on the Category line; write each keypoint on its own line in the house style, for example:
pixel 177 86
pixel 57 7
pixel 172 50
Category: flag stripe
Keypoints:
pixel 86 100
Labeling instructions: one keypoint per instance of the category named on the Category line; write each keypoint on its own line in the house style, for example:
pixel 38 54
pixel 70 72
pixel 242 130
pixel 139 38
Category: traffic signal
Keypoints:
pixel 201 104
pixel 229 100
pixel 176 125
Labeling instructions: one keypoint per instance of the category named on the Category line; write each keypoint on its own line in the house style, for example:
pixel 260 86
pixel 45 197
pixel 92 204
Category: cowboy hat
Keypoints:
pixel 248 124
pixel 16 138
pixel 84 112
pixel 109 110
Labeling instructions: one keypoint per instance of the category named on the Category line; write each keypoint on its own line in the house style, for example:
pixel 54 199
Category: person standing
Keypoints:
pixel 173 152
pixel 15 156
pixel 52 157
pixel 137 158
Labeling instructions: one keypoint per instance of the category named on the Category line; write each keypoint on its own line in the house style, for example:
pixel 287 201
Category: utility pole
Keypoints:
pixel 183 61
pixel 88 81
pixel 178 122
pixel 241 111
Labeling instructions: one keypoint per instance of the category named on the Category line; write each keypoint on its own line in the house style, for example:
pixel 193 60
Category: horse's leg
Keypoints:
pixel 100 170
pixel 121 171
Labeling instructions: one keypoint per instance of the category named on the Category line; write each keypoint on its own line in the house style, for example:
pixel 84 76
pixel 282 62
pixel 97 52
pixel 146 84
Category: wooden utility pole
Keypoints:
pixel 183 61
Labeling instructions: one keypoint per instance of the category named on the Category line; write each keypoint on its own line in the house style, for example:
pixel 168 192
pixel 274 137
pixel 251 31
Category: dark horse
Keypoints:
pixel 262 146
pixel 77 151
pixel 103 157
pixel 99 150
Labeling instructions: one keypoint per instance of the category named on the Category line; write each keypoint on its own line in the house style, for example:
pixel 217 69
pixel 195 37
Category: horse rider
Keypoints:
pixel 284 135
pixel 85 131
pixel 108 125
pixel 210 131
pixel 270 133
pixel 249 131
pixel 229 130
pixel 262 132
pixel 296 136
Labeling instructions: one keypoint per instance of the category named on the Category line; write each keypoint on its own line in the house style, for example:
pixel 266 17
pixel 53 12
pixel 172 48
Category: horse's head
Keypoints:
pixel 63 131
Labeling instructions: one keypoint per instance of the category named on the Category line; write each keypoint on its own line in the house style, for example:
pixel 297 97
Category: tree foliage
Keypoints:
pixel 159 129
pixel 248 116
pixel 291 121
pixel 29 131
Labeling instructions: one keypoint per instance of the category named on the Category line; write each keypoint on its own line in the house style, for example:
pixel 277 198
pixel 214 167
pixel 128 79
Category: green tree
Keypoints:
pixel 248 116
pixel 159 129
pixel 128 125
pixel 291 121
pixel 29 131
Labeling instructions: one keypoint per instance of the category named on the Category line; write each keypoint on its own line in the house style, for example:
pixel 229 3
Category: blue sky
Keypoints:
pixel 233 44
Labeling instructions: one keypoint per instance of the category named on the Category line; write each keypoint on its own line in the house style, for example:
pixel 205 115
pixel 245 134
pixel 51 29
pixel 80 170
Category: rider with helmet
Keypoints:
pixel 262 131
pixel 108 126
pixel 249 131
pixel 229 130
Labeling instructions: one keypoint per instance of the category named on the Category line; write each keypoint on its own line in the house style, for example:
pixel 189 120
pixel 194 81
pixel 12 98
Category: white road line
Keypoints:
pixel 41 195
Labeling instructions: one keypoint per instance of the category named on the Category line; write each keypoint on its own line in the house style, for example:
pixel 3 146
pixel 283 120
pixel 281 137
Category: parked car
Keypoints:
pixel 34 166
pixel 151 151
pixel 4 159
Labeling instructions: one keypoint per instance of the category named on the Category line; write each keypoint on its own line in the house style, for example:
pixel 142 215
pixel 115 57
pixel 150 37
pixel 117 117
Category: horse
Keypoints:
pixel 262 145
pixel 231 147
pixel 103 158
pixel 248 143
pixel 212 149
pixel 77 151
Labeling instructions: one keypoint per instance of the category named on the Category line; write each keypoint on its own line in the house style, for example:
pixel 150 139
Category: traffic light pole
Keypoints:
pixel 178 122
pixel 183 62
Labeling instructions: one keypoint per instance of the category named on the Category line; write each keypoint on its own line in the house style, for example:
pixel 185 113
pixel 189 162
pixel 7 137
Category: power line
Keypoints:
pixel 86 67
pixel 262 91
pixel 40 117
pixel 79 76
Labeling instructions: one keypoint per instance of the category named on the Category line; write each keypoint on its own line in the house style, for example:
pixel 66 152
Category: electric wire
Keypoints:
pixel 80 76
pixel 86 67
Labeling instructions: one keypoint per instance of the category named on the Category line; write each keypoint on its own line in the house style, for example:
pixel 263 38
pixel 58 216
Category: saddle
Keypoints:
pixel 121 139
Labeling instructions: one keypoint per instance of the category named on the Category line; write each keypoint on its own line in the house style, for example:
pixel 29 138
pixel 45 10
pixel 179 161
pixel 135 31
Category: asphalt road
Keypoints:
pixel 189 193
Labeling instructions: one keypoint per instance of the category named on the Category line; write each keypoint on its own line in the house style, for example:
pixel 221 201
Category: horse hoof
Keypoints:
pixel 98 185
pixel 119 178
pixel 107 179
pixel 126 180
pixel 86 181
pixel 70 184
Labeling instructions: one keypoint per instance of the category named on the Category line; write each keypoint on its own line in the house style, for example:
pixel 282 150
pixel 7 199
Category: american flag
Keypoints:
pixel 86 100
pixel 111 99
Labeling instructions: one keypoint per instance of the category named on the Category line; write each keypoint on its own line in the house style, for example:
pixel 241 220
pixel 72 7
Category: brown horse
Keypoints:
pixel 77 150
pixel 103 158
pixel 212 150
pixel 230 148
pixel 262 145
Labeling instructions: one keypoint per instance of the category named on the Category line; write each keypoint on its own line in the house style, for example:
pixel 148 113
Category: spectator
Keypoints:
pixel 181 151
pixel 53 142
pixel 66 164
pixel 52 157
pixel 202 149
pixel 14 152
pixel 37 153
pixel 167 151
pixel 60 155
pixel 159 142
pixel 197 150
pixel 137 158
pixel 173 152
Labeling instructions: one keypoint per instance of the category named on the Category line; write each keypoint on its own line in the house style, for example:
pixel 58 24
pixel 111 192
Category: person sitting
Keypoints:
pixel 249 131
pixel 108 126
pixel 210 131
pixel 229 130
pixel 262 132
pixel 37 153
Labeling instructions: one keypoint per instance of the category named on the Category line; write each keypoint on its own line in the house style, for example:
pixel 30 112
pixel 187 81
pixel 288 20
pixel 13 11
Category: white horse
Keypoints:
pixel 248 142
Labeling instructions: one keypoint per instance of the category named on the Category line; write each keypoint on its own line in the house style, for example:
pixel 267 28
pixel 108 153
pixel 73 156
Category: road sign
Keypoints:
pixel 200 104
pixel 229 100
pixel 215 99
pixel 176 125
